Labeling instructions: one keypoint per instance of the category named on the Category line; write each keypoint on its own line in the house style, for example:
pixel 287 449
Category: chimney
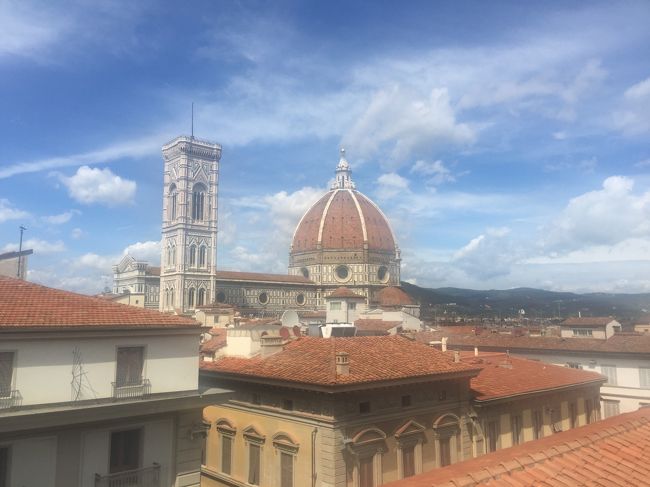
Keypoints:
pixel 444 344
pixel 476 351
pixel 456 356
pixel 271 345
pixel 342 363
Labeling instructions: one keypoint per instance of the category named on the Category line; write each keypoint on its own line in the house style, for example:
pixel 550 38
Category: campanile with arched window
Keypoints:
pixel 189 230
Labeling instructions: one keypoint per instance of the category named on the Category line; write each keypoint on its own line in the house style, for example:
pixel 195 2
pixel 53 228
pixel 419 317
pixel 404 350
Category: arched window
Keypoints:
pixel 198 202
pixel 192 255
pixel 172 297
pixel 201 297
pixel 190 297
pixel 169 255
pixel 173 260
pixel 202 256
pixel 173 196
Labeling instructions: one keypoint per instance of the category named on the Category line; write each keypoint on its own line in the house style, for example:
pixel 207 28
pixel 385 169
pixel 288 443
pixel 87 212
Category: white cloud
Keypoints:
pixel 61 218
pixel 39 246
pixel 148 251
pixel 437 171
pixel 602 217
pixel 94 185
pixel 559 135
pixel 77 233
pixel 643 163
pixel 403 122
pixel 95 261
pixel 633 118
pixel 8 212
pixel 639 91
pixel 24 30
pixel 390 185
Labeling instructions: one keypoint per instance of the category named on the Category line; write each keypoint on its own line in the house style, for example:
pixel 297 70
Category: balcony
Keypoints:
pixel 141 477
pixel 10 398
pixel 135 389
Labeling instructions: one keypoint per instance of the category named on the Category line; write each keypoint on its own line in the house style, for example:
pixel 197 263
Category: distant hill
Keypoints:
pixel 537 303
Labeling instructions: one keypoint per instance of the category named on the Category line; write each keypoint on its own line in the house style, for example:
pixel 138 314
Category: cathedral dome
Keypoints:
pixel 343 219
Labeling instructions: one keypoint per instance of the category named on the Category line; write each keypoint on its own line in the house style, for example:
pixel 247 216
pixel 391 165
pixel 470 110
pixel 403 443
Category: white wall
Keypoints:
pixel 32 462
pixel 628 389
pixel 158 440
pixel 44 368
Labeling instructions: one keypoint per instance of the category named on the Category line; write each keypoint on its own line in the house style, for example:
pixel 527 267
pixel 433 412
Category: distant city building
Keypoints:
pixel 624 359
pixel 594 327
pixel 96 394
pixel 136 281
pixel 342 240
pixel 14 264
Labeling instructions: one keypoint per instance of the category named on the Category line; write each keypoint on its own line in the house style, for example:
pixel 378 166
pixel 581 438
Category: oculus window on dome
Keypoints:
pixel 221 297
pixel 305 272
pixel 383 274
pixel 300 299
pixel 263 298
pixel 342 272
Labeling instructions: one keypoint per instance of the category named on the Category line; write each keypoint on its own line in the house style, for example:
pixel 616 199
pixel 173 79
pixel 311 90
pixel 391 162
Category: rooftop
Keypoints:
pixel 503 376
pixel 393 296
pixel 588 321
pixel 367 325
pixel 310 360
pixel 25 305
pixel 609 452
pixel 616 344
pixel 344 292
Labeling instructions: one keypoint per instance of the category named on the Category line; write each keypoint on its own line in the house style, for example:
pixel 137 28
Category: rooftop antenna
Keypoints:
pixel 192 119
pixel 20 250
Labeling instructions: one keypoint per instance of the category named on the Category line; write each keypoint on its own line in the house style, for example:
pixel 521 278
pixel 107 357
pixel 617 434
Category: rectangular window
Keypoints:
pixel 538 425
pixel 287 404
pixel 335 306
pixel 254 464
pixel 256 399
pixel 4 466
pixel 574 365
pixel 226 454
pixel 493 435
pixel 611 408
pixel 582 333
pixel 406 401
pixel 352 306
pixel 366 474
pixel 609 371
pixel 517 437
pixel 125 450
pixel 130 362
pixel 408 461
pixel 644 377
pixel 6 373
pixel 445 451
pixel 573 415
pixel 286 470
pixel 364 407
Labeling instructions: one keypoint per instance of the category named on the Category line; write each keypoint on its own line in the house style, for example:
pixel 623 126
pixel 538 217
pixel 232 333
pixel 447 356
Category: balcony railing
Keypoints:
pixel 10 398
pixel 137 389
pixel 141 477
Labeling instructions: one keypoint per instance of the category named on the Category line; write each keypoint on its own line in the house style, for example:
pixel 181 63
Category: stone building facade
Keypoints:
pixel 136 277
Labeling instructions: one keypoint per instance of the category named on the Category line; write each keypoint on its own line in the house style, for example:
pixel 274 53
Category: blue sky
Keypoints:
pixel 508 142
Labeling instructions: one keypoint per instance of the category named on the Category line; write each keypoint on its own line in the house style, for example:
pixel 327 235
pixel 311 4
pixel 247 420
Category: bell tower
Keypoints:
pixel 188 261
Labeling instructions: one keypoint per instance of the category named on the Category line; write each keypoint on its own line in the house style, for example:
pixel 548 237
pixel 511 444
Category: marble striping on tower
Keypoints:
pixel 188 262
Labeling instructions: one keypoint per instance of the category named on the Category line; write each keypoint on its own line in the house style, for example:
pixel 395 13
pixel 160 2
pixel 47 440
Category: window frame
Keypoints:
pixel 12 370
pixel 286 446
pixel 125 468
pixel 5 477
pixel 644 384
pixel 119 382
pixel 610 372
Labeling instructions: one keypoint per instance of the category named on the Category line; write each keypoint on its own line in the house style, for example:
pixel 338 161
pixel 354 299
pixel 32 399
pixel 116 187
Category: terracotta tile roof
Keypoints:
pixel 335 222
pixel 27 305
pixel 617 344
pixel 257 276
pixel 344 292
pixel 376 325
pixel 611 452
pixel 393 296
pixel 588 321
pixel 152 271
pixel 310 360
pixel 218 340
pixel 504 376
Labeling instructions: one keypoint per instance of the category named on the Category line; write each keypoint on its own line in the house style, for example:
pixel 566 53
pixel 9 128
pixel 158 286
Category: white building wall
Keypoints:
pixel 44 368
pixel 627 391
pixel 32 462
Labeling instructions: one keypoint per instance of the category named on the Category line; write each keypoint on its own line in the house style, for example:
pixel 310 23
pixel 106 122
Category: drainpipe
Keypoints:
pixel 313 457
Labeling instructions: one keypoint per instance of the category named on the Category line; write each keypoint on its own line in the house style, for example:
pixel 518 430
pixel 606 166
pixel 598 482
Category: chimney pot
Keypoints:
pixel 271 344
pixel 476 351
pixel 342 360
pixel 444 344
pixel 456 356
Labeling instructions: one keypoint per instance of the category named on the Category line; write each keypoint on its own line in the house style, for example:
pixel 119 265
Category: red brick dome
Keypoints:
pixel 343 219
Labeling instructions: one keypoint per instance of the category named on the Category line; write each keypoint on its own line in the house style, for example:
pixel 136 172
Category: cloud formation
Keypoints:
pixel 94 185
pixel 9 212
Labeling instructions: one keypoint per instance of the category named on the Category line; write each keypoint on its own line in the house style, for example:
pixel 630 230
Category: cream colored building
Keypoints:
pixel 97 394
pixel 362 411
pixel 14 264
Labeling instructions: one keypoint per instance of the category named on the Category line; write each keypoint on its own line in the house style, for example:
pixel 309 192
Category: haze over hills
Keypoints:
pixel 537 303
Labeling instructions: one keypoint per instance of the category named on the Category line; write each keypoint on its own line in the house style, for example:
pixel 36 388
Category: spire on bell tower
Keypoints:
pixel 343 174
